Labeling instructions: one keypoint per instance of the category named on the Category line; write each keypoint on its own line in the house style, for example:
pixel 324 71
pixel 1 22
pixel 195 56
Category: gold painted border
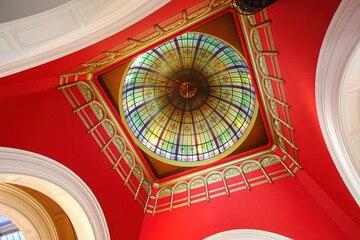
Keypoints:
pixel 84 73
pixel 200 162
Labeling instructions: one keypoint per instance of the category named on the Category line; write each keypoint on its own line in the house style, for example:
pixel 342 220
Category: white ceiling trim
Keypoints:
pixel 338 64
pixel 60 184
pixel 246 234
pixel 34 40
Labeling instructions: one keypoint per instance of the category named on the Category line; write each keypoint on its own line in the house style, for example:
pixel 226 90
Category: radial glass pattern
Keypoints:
pixel 189 99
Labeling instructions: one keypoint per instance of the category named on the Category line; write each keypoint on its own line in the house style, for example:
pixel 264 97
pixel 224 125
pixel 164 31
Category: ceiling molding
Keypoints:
pixel 26 213
pixel 60 184
pixel 43 37
pixel 246 234
pixel 338 52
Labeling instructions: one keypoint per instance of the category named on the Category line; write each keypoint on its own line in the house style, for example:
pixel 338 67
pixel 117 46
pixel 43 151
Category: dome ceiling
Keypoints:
pixel 189 99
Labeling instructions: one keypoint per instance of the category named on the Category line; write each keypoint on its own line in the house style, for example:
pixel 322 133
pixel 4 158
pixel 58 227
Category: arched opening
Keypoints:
pixel 337 93
pixel 29 214
pixel 59 183
pixel 246 234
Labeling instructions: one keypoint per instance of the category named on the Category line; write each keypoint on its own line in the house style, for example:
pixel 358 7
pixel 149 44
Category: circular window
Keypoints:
pixel 188 100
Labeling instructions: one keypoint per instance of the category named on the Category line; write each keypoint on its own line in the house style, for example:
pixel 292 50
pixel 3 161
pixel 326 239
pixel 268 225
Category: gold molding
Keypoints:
pixel 275 105
pixel 197 163
pixel 159 32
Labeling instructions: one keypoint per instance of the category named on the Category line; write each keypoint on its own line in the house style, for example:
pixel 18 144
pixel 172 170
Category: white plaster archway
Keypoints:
pixel 338 76
pixel 246 234
pixel 60 184
pixel 26 213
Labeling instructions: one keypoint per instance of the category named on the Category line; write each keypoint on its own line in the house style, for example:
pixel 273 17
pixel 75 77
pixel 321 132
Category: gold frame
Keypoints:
pixel 280 127
pixel 197 163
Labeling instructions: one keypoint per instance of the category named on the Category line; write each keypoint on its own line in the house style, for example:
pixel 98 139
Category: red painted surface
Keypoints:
pixel 35 116
pixel 304 24
pixel 226 159
pixel 284 208
pixel 44 123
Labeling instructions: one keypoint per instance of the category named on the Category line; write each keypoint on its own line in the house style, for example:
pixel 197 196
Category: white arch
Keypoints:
pixel 26 213
pixel 338 61
pixel 246 234
pixel 59 183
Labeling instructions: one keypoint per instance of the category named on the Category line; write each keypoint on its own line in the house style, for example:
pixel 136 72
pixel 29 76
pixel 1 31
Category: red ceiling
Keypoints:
pixel 35 116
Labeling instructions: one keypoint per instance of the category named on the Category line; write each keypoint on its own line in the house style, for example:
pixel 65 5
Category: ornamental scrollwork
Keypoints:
pixel 146 187
pixel 231 172
pixel 251 166
pixel 270 160
pixel 268 88
pixel 181 188
pixel 197 183
pixel 129 159
pixel 97 111
pixel 85 92
pixel 119 144
pixel 215 177
pixel 109 129
pixel 138 174
pixel 164 192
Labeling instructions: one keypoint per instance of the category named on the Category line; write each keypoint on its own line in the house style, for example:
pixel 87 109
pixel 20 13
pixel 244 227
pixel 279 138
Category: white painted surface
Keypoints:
pixel 14 9
pixel 43 37
pixel 60 184
pixel 26 213
pixel 246 234
pixel 337 92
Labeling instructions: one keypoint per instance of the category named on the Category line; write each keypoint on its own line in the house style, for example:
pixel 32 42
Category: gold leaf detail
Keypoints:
pixel 109 129
pixel 274 108
pixel 252 20
pixel 129 159
pixel 146 187
pixel 231 172
pixel 270 160
pixel 278 126
pixel 85 91
pixel 119 144
pixel 263 65
pixel 214 178
pixel 268 88
pixel 197 183
pixel 249 167
pixel 181 188
pixel 164 193
pixel 257 41
pixel 97 111
pixel 282 145
pixel 138 174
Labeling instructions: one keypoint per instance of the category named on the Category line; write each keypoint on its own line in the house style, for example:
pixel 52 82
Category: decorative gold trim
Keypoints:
pixel 232 189
pixel 276 112
pixel 136 44
pixel 197 163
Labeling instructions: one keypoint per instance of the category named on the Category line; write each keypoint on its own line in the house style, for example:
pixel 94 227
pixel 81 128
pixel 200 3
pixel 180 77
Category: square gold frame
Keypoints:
pixel 132 170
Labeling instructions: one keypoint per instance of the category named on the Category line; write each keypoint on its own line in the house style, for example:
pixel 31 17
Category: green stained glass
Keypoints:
pixel 189 99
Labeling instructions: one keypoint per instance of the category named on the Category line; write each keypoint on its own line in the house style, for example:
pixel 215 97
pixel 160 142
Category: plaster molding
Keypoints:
pixel 60 184
pixel 246 234
pixel 26 213
pixel 335 65
pixel 43 37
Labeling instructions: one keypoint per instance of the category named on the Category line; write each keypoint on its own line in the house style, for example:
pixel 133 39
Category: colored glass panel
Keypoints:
pixel 189 99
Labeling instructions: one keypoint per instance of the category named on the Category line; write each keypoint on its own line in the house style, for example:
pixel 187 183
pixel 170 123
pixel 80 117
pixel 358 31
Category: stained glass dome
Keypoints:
pixel 189 99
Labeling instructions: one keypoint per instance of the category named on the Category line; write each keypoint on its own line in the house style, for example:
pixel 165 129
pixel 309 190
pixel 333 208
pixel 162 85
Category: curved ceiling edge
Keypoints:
pixel 247 234
pixel 337 51
pixel 35 40
pixel 56 181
